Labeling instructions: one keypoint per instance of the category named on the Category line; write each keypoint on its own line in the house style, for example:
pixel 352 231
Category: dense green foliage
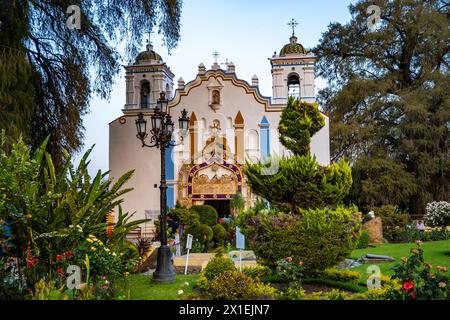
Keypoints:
pixel 388 101
pixel 363 241
pixel 219 233
pixel 57 218
pixel 49 72
pixel 235 285
pixel 319 238
pixel 393 221
pixel 299 122
pixel 208 215
pixel 218 266
pixel 299 182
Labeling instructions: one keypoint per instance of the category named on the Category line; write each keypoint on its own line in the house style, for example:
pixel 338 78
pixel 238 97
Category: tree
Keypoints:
pixel 388 100
pixel 300 182
pixel 60 69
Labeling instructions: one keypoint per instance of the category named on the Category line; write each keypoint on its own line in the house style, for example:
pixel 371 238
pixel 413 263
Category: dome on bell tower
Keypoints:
pixel 148 55
pixel 293 47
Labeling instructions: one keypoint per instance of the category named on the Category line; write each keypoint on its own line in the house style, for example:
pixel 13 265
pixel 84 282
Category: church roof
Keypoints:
pixel 293 47
pixel 148 55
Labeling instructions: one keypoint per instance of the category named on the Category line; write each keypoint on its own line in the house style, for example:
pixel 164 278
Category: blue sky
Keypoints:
pixel 246 32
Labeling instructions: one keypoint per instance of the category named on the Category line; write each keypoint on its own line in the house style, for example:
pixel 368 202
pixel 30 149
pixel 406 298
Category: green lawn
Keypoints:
pixel 142 288
pixel 434 253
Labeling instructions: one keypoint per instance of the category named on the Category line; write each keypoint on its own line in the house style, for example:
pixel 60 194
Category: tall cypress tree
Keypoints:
pixel 388 101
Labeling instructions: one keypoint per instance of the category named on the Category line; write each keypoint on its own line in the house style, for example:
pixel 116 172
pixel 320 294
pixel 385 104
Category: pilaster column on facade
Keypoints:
pixel 239 139
pixel 193 141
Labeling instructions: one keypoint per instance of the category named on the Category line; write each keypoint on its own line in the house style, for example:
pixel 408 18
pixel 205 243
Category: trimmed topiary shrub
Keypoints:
pixel 202 233
pixel 218 266
pixel 208 215
pixel 187 217
pixel 320 238
pixel 219 233
pixel 235 285
pixel 363 241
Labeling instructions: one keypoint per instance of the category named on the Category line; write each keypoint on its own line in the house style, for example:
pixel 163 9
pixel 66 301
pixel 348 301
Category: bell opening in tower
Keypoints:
pixel 293 86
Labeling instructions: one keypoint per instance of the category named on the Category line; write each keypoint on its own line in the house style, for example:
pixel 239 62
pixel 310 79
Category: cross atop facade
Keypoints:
pixel 216 55
pixel 293 24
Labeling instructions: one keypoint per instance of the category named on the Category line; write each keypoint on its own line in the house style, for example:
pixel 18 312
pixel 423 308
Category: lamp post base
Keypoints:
pixel 164 272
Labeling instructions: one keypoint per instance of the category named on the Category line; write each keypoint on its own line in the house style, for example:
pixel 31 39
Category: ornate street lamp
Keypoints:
pixel 161 137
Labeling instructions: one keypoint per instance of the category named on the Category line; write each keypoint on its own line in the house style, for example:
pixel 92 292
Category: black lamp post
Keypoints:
pixel 161 137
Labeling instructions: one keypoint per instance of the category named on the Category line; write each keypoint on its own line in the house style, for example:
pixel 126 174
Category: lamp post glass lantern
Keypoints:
pixel 162 129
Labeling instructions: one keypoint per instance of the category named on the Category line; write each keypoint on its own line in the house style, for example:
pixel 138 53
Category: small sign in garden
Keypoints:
pixel 188 247
pixel 240 244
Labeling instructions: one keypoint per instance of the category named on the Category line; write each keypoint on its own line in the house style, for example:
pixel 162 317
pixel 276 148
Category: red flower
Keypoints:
pixel 221 220
pixel 408 285
pixel 289 259
pixel 61 272
pixel 58 257
pixel 413 294
pixel 32 262
pixel 69 252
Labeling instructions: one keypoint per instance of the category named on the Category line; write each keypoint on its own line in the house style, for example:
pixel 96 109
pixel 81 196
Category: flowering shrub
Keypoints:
pixel 292 271
pixel 438 214
pixel 49 215
pixel 418 279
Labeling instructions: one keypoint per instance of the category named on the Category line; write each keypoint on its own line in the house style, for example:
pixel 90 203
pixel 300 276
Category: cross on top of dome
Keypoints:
pixel 293 24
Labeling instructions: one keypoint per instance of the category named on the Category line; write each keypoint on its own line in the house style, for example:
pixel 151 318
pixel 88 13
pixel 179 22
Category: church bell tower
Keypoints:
pixel 146 78
pixel 293 71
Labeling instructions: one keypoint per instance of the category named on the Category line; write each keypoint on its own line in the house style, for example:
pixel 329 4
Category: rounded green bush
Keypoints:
pixel 235 285
pixel 319 238
pixel 219 233
pixel 218 266
pixel 202 233
pixel 363 241
pixel 208 215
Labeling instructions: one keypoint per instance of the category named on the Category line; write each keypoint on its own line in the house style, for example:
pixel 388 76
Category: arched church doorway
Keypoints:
pixel 222 207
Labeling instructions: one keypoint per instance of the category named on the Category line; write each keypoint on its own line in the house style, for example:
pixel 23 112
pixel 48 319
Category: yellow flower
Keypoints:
pixel 404 259
pixel 107 249
pixel 442 284
pixel 126 273
pixel 441 269
pixel 419 243
pixel 100 243
pixel 89 240
pixel 415 251
pixel 93 248
pixel 29 216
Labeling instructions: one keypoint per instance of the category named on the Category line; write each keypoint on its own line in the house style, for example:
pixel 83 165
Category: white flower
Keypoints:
pixel 114 254
pixel 180 291
pixel 186 283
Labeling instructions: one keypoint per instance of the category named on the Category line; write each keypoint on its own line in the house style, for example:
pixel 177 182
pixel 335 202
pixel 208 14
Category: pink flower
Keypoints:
pixel 104 277
pixel 105 287
pixel 289 259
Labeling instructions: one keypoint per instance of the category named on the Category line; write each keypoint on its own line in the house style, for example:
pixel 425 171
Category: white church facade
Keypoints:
pixel 230 123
